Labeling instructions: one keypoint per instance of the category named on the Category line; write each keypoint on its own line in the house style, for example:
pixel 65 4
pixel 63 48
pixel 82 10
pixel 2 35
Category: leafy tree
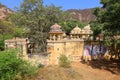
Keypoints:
pixel 8 30
pixel 111 18
pixel 37 18
pixel 108 17
pixel 97 26
pixel 68 25
pixel 108 22
pixel 6 27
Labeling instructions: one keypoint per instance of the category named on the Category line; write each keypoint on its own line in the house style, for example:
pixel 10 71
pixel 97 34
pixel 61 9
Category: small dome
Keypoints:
pixel 87 27
pixel 55 26
pixel 76 30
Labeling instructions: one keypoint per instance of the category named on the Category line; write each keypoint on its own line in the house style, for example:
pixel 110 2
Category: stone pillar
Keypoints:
pixel 71 37
pixel 77 36
pixel 61 37
pixel 24 50
pixel 54 37
pixel 58 37
pixel 83 36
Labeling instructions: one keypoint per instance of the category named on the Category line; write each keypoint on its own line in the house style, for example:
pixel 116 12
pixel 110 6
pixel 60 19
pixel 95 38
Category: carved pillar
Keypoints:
pixel 58 37
pixel 77 36
pixel 24 50
pixel 71 37
pixel 61 37
pixel 54 37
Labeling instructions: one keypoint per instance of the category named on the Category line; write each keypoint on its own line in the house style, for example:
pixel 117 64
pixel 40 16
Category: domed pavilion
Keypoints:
pixel 78 33
pixel 56 32
pixel 86 31
pixel 75 33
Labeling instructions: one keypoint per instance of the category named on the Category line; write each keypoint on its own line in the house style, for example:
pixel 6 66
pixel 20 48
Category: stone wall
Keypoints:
pixel 37 59
pixel 19 44
pixel 73 49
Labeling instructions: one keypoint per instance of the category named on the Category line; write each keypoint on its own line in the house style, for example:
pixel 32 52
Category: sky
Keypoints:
pixel 65 4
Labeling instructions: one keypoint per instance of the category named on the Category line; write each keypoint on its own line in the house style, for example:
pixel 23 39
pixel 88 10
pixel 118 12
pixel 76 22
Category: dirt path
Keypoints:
pixel 78 71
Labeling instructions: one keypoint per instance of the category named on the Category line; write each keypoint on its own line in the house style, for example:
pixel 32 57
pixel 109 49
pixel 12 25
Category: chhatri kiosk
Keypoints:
pixel 55 32
pixel 78 33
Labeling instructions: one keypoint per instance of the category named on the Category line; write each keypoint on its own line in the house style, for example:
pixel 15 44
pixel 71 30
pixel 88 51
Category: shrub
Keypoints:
pixel 40 65
pixel 63 61
pixel 13 67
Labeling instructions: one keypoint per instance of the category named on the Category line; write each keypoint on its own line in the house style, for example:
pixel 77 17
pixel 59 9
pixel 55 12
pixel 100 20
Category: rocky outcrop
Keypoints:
pixel 4 11
pixel 85 15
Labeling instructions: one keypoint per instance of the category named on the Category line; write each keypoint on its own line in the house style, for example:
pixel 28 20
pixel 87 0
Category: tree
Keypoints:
pixel 6 27
pixel 108 22
pixel 68 25
pixel 37 18
pixel 97 26
pixel 8 30
pixel 111 18
pixel 108 17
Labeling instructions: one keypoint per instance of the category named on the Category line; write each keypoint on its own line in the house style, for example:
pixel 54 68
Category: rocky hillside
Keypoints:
pixel 4 11
pixel 85 15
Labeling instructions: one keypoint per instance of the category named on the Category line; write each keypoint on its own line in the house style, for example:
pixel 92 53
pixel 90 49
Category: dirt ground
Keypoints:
pixel 79 71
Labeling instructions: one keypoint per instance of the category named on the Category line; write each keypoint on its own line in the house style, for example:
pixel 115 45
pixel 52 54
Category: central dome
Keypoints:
pixel 87 27
pixel 76 30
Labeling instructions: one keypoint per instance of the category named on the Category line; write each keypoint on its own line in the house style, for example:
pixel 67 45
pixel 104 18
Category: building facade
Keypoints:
pixel 72 46
pixel 58 43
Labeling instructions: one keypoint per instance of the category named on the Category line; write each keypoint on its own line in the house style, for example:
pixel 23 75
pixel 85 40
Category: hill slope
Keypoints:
pixel 78 71
pixel 4 11
pixel 85 15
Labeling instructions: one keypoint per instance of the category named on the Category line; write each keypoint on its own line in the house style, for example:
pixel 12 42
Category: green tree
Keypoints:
pixel 111 18
pixel 8 30
pixel 97 26
pixel 108 17
pixel 108 22
pixel 37 18
pixel 68 25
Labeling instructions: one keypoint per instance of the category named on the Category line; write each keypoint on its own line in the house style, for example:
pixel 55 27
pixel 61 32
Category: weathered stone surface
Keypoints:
pixel 71 46
pixel 4 11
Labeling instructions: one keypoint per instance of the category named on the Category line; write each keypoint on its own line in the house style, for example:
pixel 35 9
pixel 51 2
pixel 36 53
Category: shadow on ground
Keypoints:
pixel 112 65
